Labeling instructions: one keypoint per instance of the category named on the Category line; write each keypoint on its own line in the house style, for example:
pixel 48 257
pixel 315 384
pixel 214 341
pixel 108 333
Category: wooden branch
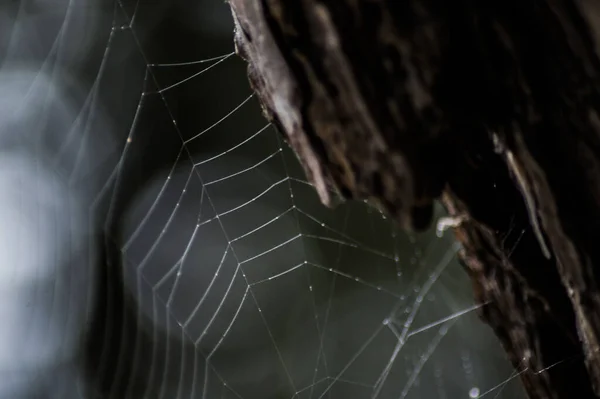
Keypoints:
pixel 491 107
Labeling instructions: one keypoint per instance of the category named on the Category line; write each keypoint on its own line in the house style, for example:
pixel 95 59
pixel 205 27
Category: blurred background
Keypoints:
pixel 158 238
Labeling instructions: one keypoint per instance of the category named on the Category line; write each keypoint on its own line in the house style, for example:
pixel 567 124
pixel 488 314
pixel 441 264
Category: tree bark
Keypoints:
pixel 491 107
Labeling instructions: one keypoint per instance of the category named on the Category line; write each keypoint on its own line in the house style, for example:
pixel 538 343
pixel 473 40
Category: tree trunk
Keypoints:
pixel 490 106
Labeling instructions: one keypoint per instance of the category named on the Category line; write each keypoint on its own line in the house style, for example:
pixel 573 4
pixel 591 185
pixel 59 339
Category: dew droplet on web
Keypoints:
pixel 474 393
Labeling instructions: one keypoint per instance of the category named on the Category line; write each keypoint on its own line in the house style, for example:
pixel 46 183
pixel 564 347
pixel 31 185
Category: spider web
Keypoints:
pixel 224 277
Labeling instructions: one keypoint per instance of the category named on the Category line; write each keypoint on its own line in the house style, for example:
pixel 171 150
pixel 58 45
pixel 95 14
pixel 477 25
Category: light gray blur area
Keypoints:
pixel 158 239
pixel 47 288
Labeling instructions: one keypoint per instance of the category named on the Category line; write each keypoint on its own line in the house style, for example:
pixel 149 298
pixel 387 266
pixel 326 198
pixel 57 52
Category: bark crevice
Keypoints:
pixel 492 108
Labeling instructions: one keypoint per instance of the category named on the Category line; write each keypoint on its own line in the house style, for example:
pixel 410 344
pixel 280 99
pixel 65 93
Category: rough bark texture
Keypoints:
pixel 490 106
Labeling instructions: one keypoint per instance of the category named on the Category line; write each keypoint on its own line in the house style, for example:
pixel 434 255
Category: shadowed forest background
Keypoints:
pixel 159 240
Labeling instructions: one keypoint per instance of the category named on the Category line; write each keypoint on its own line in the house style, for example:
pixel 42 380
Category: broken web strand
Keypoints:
pixel 403 335
pixel 500 387
pixel 433 278
pixel 354 245
pixel 516 373
pixel 232 240
pixel 188 63
pixel 390 321
pixel 425 357
pixel 220 60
